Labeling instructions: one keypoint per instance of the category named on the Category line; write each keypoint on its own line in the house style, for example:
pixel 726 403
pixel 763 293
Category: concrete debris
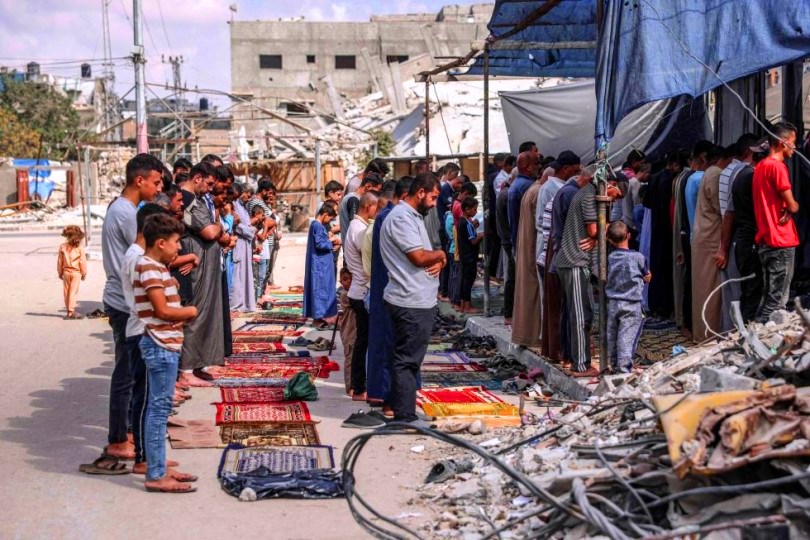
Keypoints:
pixel 717 438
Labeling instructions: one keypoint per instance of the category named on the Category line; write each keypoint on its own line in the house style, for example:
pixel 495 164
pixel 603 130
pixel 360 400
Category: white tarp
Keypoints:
pixel 562 118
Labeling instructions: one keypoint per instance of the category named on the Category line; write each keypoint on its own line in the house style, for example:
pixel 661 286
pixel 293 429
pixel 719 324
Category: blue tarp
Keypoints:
pixel 570 21
pixel 37 180
pixel 641 57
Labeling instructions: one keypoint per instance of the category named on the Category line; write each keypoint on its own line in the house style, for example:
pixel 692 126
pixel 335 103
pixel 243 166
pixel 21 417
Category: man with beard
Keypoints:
pixel 410 295
pixel 203 343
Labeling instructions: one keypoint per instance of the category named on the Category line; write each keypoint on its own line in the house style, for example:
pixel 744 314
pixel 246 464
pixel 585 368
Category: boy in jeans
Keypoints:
pixel 467 249
pixel 158 304
pixel 627 274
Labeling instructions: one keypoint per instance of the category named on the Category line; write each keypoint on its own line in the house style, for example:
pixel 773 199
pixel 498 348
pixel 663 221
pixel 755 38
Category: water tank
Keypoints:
pixel 32 71
pixel 87 72
pixel 203 103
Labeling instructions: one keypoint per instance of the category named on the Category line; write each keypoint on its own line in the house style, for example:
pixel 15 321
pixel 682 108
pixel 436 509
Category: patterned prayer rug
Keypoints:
pixel 451 368
pixel 258 356
pixel 460 394
pixel 252 394
pixel 470 409
pixel 238 459
pixel 237 382
pixel 287 319
pixel 249 337
pixel 292 411
pixel 267 371
pixel 459 379
pixel 270 434
pixel 259 347
pixel 437 347
pixel 320 366
pixel 282 311
pixel 446 357
pixel 657 345
pixel 489 384
pixel 269 328
pixel 272 359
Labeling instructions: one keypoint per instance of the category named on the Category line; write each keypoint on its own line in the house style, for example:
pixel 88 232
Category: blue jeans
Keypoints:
pixel 777 269
pixel 261 277
pixel 138 401
pixel 161 374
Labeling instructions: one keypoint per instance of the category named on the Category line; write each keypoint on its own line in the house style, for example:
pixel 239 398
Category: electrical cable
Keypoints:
pixel 441 114
pixel 163 23
pixel 706 303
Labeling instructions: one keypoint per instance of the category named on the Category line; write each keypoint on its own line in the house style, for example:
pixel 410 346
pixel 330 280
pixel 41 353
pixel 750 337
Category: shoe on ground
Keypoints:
pixel 420 424
pixel 361 420
pixel 379 415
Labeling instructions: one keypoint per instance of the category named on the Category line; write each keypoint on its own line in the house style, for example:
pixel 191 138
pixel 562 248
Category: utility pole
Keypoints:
pixel 139 60
pixel 108 75
pixel 176 62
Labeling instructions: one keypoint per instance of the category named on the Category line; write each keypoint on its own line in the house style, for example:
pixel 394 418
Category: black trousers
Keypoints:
pixel 360 346
pixel 509 286
pixel 226 316
pixel 469 271
pixel 139 392
pixel 444 276
pixel 748 263
pixel 121 382
pixel 412 329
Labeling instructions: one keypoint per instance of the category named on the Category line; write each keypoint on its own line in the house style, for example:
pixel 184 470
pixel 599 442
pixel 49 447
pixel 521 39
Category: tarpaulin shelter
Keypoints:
pixel 556 118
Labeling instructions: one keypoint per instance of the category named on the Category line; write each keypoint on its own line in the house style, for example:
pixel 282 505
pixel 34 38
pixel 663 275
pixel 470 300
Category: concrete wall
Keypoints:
pixel 395 36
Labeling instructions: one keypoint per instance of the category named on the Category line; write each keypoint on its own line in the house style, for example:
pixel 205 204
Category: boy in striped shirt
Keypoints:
pixel 158 304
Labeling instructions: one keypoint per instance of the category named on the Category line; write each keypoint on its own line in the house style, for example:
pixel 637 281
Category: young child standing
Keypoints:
pixel 347 326
pixel 158 305
pixel 71 265
pixel 468 246
pixel 627 273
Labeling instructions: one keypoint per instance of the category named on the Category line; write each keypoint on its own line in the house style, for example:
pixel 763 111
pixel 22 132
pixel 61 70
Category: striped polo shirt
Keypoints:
pixel 150 274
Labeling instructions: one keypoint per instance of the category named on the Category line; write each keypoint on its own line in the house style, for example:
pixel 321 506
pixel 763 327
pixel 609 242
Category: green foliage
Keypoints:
pixel 385 146
pixel 44 110
pixel 16 139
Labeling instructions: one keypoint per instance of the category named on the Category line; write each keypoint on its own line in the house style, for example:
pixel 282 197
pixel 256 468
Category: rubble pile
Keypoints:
pixel 710 443
pixel 112 172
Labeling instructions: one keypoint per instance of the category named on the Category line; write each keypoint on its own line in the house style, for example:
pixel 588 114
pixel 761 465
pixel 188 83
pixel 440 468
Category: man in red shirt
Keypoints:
pixel 774 207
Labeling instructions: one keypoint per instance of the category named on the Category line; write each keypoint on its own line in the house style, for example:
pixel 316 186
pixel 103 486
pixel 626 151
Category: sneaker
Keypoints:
pixel 361 420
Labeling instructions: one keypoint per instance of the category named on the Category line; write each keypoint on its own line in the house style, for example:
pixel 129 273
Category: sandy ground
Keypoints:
pixel 53 416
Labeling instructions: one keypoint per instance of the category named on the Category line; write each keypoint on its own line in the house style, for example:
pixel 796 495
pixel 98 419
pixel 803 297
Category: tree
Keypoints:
pixel 385 146
pixel 41 108
pixel 16 139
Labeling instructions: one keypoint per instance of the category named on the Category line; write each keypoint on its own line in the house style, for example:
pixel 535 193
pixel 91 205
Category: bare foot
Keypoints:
pixel 188 379
pixel 590 372
pixel 124 450
pixel 444 298
pixel 167 484
pixel 140 468
pixel 507 321
pixel 359 397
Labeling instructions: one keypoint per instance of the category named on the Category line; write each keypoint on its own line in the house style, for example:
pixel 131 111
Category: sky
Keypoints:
pixel 60 35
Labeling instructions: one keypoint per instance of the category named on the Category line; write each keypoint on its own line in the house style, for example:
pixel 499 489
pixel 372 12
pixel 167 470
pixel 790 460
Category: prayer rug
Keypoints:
pixel 272 370
pixel 237 382
pixel 437 347
pixel 433 379
pixel 451 368
pixel 446 357
pixel 252 394
pixel 260 331
pixel 249 337
pixel 266 354
pixel 271 358
pixel 470 409
pixel 232 413
pixel 184 434
pixel 271 434
pixel 238 459
pixel 282 311
pixel 320 366
pixel 259 347
pixel 655 345
pixel 271 328
pixel 460 394
pixel 287 319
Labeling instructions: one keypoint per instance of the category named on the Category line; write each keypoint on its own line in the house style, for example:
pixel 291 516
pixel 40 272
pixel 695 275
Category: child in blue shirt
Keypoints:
pixel 468 241
pixel 627 274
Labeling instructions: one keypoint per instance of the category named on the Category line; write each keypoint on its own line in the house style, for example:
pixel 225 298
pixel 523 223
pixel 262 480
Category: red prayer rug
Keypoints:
pixel 461 394
pixel 270 371
pixel 252 394
pixel 452 368
pixel 324 365
pixel 231 413
pixel 258 347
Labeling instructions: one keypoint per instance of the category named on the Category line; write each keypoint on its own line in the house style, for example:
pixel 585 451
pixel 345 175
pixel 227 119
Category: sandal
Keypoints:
pixel 105 465
pixel 321 344
pixel 301 341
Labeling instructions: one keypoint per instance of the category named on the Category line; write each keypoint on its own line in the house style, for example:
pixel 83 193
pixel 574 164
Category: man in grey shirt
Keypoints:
pixel 144 175
pixel 410 296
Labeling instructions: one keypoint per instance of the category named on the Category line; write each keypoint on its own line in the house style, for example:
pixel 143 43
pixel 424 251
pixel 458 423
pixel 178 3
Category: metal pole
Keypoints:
pixel 485 195
pixel 86 202
pixel 427 118
pixel 140 80
pixel 318 177
pixel 602 202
